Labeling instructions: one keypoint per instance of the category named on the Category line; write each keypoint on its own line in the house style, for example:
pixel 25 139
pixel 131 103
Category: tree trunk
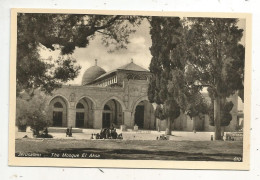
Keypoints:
pixel 217 104
pixel 222 132
pixel 168 130
pixel 194 124
pixel 158 124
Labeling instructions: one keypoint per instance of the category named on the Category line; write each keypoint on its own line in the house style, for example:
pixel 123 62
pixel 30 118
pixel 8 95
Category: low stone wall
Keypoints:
pixel 234 136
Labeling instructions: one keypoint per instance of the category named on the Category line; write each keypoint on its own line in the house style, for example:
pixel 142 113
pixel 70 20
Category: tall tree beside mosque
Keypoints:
pixel 204 52
pixel 172 86
pixel 216 59
pixel 63 32
pixel 166 66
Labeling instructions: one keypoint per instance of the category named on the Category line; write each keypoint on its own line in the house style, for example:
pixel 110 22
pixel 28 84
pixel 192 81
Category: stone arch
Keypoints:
pixel 58 114
pixel 112 113
pixel 84 117
pixel 143 114
pixel 87 97
pixel 116 98
pixel 142 98
pixel 59 95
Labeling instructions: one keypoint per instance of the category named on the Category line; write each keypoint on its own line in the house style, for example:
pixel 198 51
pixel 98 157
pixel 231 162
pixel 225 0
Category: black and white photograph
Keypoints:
pixel 137 87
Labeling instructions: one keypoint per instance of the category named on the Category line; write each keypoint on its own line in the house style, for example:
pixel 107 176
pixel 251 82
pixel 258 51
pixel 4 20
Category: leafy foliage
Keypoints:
pixel 217 60
pixel 166 37
pixel 226 116
pixel 159 113
pixel 172 83
pixel 37 121
pixel 62 32
pixel 190 55
pixel 214 52
pixel 31 111
pixel 196 108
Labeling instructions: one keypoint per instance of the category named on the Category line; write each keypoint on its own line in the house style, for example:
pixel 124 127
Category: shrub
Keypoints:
pixel 37 121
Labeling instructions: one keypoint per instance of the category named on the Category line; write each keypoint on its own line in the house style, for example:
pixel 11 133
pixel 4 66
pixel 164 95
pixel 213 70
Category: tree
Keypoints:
pixel 166 81
pixel 217 60
pixel 172 84
pixel 226 116
pixel 197 107
pixel 204 52
pixel 31 111
pixel 62 32
pixel 159 113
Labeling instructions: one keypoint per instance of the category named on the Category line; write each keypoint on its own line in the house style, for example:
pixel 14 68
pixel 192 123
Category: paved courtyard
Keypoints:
pixel 131 149
pixel 135 145
pixel 131 135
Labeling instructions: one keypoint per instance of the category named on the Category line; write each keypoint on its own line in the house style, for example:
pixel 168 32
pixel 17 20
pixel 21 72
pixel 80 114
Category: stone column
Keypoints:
pixel 128 120
pixel 71 118
pixel 98 113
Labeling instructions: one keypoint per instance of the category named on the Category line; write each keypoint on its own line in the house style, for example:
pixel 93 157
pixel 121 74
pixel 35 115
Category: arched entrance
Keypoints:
pixel 84 113
pixel 80 115
pixel 144 115
pixel 58 112
pixel 112 114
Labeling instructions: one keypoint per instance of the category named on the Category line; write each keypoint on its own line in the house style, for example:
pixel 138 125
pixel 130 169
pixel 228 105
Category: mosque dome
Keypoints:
pixel 92 73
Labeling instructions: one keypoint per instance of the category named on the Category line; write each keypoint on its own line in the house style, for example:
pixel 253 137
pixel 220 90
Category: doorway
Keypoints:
pixel 106 120
pixel 80 119
pixel 57 118
pixel 139 116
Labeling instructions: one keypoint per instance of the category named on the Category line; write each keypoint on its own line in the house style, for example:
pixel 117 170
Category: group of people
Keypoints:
pixel 162 137
pixel 107 133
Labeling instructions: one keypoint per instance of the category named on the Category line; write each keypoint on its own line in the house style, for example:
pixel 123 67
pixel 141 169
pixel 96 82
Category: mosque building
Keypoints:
pixel 118 98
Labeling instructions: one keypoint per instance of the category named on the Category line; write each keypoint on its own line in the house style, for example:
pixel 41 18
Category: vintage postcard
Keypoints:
pixel 130 89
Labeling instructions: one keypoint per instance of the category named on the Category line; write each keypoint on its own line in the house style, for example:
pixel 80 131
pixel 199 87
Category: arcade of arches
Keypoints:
pixel 112 114
pixel 116 98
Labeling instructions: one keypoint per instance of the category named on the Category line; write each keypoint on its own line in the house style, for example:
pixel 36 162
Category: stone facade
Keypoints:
pixel 118 98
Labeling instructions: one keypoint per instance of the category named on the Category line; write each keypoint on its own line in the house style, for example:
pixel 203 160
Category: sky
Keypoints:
pixel 137 49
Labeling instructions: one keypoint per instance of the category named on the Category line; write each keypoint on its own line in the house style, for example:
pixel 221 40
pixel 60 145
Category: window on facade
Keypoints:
pixel 80 106
pixel 140 77
pixel 107 107
pixel 58 105
pixel 130 76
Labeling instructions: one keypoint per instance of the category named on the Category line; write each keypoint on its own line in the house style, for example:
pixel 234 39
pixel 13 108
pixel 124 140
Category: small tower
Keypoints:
pixel 132 60
pixel 96 62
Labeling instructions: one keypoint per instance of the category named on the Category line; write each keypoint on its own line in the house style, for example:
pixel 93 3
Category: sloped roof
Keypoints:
pixel 132 67
pixel 128 67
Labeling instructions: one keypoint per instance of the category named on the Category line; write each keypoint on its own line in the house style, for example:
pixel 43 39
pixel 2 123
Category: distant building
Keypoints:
pixel 118 97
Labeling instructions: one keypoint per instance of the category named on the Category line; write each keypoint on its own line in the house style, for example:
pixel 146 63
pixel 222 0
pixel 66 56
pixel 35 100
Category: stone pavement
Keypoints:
pixel 131 135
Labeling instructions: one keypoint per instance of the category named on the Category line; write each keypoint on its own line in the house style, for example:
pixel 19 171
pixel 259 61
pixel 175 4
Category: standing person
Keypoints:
pixel 46 132
pixel 112 126
pixel 70 131
pixel 67 132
